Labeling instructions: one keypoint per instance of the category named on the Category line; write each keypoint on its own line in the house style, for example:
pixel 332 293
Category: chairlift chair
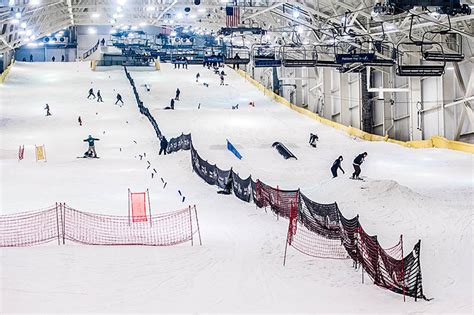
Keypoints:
pixel 243 55
pixel 295 56
pixel 264 56
pixel 454 45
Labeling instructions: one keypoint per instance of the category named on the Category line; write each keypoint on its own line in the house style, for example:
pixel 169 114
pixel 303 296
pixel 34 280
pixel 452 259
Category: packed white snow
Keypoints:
pixel 423 194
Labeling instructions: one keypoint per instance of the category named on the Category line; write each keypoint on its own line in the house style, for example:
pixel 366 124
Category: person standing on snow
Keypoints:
pixel 91 93
pixel 357 163
pixel 79 120
pixel 197 77
pixel 337 165
pixel 99 97
pixel 91 150
pixel 47 110
pixel 119 99
pixel 178 92
pixel 163 145
pixel 222 79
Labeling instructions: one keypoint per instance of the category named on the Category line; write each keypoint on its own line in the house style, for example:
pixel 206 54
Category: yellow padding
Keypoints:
pixel 433 142
pixel 157 65
pixel 40 153
pixel 93 64
pixel 4 74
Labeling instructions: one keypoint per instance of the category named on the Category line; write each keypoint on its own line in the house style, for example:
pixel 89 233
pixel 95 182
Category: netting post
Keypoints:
pixel 403 268
pixel 44 152
pixel 129 223
pixel 149 206
pixel 191 225
pixel 64 221
pixel 57 224
pixel 362 258
pixel 278 196
pixel 286 244
pixel 197 223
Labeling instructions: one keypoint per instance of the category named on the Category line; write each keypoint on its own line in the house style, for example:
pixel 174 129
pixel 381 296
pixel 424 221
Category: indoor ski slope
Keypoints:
pixel 422 194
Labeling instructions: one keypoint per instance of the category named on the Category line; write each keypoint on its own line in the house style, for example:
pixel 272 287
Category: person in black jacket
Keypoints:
pixel 119 99
pixel 178 92
pixel 337 165
pixel 357 163
pixel 163 145
pixel 91 93
pixel 312 139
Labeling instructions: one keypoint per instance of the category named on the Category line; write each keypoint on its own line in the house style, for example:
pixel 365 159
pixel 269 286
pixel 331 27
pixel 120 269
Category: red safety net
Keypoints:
pixel 138 203
pixel 279 201
pixel 65 223
pixel 30 228
pixel 161 230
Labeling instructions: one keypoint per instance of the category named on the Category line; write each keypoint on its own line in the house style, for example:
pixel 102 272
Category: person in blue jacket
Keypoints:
pixel 163 145
pixel 91 151
pixel 337 165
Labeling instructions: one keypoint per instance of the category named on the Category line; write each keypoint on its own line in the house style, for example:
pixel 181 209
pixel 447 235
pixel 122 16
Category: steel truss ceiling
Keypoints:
pixel 314 22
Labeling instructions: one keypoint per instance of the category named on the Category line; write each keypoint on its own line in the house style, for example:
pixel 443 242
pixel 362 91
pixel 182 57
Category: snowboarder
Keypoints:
pixel 222 79
pixel 163 145
pixel 197 77
pixel 91 93
pixel 47 110
pixel 228 187
pixel 31 57
pixel 357 162
pixel 119 99
pixel 337 165
pixel 91 151
pixel 312 139
pixel 103 41
pixel 99 97
pixel 53 59
pixel 178 92
pixel 79 120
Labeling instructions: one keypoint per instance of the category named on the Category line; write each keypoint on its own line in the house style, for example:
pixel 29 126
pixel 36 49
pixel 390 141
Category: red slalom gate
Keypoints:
pixel 63 223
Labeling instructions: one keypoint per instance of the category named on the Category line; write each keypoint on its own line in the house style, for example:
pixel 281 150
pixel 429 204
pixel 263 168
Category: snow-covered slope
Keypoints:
pixel 422 194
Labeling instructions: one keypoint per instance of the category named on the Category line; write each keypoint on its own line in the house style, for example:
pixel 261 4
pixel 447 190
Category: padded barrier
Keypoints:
pixel 3 75
pixel 433 142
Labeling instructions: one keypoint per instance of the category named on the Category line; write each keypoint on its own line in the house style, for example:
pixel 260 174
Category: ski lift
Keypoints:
pixel 428 69
pixel 264 56
pixel 296 56
pixel 452 42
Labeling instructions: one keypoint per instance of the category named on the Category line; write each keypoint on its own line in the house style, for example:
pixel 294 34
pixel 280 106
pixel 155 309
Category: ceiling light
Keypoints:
pixel 142 24
pixel 18 15
pixel 150 8
pixel 296 14
pixel 179 16
pixel 28 32
pixel 23 25
pixel 201 10
pixel 35 2
pixel 15 21
pixel 121 2
pixel 92 30
pixel 134 28
pixel 192 16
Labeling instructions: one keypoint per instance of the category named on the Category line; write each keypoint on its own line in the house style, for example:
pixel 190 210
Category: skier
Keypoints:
pixel 312 139
pixel 99 97
pixel 79 120
pixel 337 165
pixel 178 92
pixel 357 162
pixel 47 110
pixel 91 93
pixel 222 79
pixel 91 151
pixel 197 77
pixel 163 145
pixel 119 99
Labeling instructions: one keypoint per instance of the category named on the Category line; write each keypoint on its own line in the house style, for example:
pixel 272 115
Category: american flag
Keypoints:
pixel 232 16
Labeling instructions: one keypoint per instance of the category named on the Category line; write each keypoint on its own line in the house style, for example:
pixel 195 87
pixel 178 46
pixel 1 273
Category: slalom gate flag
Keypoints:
pixel 138 201
pixel 40 153
pixel 232 16
pixel 232 149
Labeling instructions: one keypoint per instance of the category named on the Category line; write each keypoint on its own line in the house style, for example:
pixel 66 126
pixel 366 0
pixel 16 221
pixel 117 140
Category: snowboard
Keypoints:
pixel 362 179
pixel 87 157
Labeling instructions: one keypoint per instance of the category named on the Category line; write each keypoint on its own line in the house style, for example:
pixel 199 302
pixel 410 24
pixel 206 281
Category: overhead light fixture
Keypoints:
pixel 35 2
pixel 179 16
pixel 15 21
pixel 150 8
pixel 121 2
pixel 142 24
pixel 296 13
pixel 18 15
pixel 95 15
pixel 192 16
pixel 23 25
pixel 92 30
pixel 28 32
pixel 201 10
